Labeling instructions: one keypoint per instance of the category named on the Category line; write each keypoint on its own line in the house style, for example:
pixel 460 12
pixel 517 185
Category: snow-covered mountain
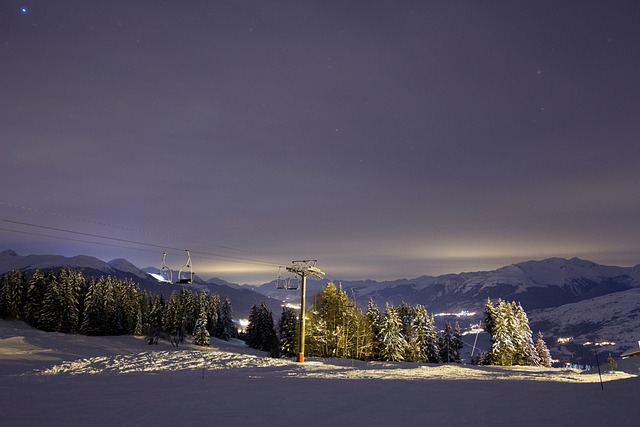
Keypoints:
pixel 9 260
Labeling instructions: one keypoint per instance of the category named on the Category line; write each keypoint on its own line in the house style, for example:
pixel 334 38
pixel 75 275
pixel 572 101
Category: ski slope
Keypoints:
pixel 56 379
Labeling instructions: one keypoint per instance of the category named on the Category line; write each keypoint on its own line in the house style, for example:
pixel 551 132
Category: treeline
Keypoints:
pixel 336 327
pixel 67 302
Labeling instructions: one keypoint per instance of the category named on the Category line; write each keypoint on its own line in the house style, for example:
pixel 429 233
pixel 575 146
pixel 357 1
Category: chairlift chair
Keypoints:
pixel 293 283
pixel 281 282
pixel 165 271
pixel 186 277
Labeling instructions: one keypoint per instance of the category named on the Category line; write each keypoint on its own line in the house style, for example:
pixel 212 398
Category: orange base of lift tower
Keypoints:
pixel 300 358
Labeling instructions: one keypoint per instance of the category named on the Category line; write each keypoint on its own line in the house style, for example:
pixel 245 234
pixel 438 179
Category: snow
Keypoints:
pixel 58 379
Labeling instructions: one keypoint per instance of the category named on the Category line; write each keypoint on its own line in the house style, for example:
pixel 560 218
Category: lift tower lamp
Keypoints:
pixel 304 268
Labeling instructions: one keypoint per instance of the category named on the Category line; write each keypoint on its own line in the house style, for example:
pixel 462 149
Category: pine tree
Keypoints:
pixel 251 332
pixel 52 307
pixel 201 336
pixel 289 332
pixel 69 292
pixel 128 297
pixel 543 352
pixel 190 307
pixel 417 339
pixel 11 291
pixel 261 333
pixel 503 348
pixel 374 319
pixel 225 327
pixel 93 319
pixel 154 320
pixel 173 320
pixel 526 350
pixel 392 342
pixel 35 296
pixel 447 347
pixel 213 305
pixel 457 343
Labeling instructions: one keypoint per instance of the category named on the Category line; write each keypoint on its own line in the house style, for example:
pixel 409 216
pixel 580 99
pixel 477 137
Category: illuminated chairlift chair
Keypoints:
pixel 281 282
pixel 293 283
pixel 165 272
pixel 287 282
pixel 185 277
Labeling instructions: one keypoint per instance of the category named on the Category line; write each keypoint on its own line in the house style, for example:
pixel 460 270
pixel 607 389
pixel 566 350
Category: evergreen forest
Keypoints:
pixel 67 302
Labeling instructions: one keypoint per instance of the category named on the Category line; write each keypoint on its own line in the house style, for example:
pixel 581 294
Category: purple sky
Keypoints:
pixel 386 139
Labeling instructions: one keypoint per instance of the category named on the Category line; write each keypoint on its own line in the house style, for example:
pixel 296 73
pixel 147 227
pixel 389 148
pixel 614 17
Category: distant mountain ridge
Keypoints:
pixel 536 284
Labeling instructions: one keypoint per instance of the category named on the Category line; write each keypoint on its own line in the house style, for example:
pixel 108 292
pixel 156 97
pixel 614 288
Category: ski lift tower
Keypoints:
pixel 304 268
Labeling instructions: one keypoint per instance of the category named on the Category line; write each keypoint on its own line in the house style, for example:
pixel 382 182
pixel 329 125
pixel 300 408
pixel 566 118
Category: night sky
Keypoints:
pixel 385 139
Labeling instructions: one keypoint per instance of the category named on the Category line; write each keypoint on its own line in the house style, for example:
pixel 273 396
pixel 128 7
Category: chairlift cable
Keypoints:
pixel 204 255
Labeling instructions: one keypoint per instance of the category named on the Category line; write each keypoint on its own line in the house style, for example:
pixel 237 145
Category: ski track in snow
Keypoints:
pixel 256 366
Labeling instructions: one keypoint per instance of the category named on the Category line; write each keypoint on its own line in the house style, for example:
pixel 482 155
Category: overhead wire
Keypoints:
pixel 106 224
pixel 202 255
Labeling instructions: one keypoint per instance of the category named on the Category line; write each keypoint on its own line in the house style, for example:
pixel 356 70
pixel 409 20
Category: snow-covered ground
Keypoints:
pixel 56 379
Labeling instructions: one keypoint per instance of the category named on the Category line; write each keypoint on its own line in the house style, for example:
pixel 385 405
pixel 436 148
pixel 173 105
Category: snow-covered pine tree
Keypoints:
pixel 501 324
pixel 128 297
pixel 432 349
pixel 447 349
pixel 52 307
pixel 225 328
pixel 374 319
pixel 213 305
pixel 419 333
pixel 289 332
pixel 11 291
pixel 251 333
pixel 69 293
pixel 156 310
pixel 113 313
pixel 34 298
pixel 190 308
pixel 392 342
pixel 93 317
pixel 173 321
pixel 269 337
pixel 457 343
pixel 490 316
pixel 526 354
pixel 201 336
pixel 543 352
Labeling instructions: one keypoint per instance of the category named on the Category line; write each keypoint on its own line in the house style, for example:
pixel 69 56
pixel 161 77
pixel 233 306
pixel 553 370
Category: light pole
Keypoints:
pixel 304 268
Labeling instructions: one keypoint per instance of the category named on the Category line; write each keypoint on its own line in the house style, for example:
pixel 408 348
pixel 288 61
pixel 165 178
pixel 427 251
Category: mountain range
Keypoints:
pixel 573 302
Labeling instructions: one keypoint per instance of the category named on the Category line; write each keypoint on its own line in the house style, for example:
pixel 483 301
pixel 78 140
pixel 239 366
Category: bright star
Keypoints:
pixel 24 10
